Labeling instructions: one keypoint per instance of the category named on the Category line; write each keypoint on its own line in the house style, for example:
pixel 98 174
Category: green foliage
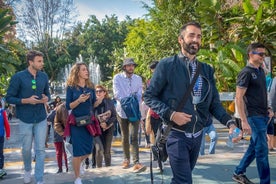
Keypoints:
pixel 10 50
pixel 156 37
pixel 101 40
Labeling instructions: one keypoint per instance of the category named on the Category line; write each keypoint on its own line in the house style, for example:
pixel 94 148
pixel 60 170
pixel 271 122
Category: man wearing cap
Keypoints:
pixel 125 84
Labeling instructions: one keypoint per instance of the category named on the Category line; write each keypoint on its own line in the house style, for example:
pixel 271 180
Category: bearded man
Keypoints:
pixel 125 84
pixel 168 85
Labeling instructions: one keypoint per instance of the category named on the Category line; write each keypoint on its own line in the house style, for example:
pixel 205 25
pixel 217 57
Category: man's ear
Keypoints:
pixel 180 39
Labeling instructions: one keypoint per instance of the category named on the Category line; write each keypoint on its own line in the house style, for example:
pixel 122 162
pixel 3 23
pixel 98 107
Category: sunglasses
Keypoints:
pixel 262 54
pixel 34 84
pixel 99 91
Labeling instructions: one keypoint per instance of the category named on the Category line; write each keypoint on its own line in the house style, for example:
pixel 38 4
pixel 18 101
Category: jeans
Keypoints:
pixel 211 131
pixel 258 149
pixel 183 154
pixel 127 129
pixel 2 138
pixel 36 132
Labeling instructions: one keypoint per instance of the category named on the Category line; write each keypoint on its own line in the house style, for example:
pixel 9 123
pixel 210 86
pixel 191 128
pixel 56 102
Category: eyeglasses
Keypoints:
pixel 262 54
pixel 34 84
pixel 99 91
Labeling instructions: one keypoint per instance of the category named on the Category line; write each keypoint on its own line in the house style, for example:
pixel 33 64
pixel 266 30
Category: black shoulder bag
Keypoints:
pixel 159 150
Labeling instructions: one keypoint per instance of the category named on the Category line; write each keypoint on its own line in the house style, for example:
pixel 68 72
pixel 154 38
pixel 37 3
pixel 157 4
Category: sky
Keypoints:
pixel 100 8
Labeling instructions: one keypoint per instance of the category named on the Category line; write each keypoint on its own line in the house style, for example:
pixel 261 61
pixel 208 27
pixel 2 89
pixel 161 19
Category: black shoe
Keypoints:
pixel 86 166
pixel 66 169
pixel 59 171
pixel 241 178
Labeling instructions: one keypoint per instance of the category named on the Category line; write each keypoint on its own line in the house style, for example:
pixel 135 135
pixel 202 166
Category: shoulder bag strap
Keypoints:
pixel 182 103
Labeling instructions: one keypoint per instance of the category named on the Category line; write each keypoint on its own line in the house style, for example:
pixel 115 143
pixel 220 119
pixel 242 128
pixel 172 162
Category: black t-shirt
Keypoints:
pixel 256 95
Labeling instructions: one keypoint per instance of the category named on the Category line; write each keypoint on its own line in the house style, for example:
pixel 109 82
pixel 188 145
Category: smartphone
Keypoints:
pixel 88 93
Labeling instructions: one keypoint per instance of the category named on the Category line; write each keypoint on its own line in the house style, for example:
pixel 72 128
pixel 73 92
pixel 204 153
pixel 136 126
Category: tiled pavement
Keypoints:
pixel 210 169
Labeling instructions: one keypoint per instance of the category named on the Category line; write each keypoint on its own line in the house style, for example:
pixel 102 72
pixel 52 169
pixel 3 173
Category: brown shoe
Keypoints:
pixel 125 164
pixel 137 168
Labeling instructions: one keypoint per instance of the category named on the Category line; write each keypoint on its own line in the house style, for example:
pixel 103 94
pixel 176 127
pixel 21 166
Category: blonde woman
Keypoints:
pixel 80 97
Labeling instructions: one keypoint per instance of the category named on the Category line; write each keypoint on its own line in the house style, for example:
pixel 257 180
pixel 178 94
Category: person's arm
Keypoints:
pixel 111 107
pixel 240 92
pixel 58 120
pixel 6 125
pixel 116 87
pixel 216 108
pixel 272 96
pixel 13 90
pixel 155 88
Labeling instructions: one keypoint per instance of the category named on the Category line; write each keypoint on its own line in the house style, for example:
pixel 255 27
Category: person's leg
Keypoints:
pixel 26 130
pixel 202 144
pixel 58 146
pixel 64 156
pixel 183 153
pixel 69 151
pixel 259 128
pixel 2 152
pixel 124 127
pixel 270 133
pixel 257 149
pixel 99 151
pixel 213 138
pixel 107 146
pixel 139 134
pixel 134 127
pixel 39 144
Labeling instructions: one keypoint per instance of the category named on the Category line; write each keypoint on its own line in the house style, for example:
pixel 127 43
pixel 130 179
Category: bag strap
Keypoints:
pixel 182 103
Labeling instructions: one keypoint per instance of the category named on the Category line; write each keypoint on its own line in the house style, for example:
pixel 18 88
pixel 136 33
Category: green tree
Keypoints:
pixel 100 39
pixel 43 25
pixel 155 37
pixel 10 49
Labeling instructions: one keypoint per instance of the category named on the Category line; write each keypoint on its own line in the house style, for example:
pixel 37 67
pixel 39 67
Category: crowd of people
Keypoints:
pixel 85 122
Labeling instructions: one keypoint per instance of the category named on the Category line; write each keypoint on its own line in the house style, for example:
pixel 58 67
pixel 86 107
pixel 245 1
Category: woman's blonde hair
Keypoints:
pixel 73 78
pixel 104 89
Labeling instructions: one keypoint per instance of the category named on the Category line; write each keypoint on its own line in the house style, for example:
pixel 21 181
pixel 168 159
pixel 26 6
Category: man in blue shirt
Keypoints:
pixel 29 91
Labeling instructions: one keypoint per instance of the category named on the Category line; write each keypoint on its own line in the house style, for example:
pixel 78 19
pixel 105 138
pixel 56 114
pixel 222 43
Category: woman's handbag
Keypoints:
pixel 83 120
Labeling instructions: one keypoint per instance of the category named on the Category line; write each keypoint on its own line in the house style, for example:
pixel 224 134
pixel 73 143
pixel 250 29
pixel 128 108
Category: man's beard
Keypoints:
pixel 190 48
pixel 129 72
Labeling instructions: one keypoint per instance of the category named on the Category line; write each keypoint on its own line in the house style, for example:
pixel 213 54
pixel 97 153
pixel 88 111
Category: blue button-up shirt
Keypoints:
pixel 21 87
pixel 123 86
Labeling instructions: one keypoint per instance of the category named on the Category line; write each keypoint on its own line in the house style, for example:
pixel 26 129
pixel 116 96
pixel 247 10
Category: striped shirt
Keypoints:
pixel 198 84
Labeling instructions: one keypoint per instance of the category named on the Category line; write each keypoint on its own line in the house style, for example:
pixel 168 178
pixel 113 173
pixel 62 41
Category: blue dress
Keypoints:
pixel 81 139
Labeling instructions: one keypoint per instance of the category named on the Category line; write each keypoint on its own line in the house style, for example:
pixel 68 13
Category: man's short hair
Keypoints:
pixel 254 46
pixel 32 54
pixel 153 64
pixel 183 28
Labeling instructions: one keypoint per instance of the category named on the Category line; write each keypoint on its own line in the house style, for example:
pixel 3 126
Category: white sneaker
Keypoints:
pixel 2 173
pixel 27 176
pixel 40 182
pixel 78 181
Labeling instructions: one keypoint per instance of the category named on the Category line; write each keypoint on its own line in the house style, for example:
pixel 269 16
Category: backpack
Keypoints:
pixel 130 105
